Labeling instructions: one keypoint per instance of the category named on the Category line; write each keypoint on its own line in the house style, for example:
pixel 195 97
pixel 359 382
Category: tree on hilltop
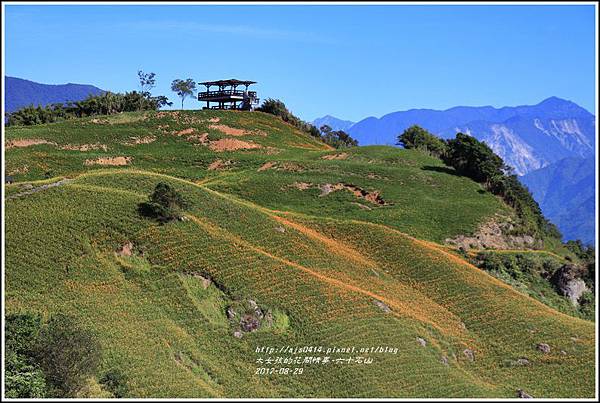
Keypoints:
pixel 415 137
pixel 147 81
pixel 183 88
pixel 337 138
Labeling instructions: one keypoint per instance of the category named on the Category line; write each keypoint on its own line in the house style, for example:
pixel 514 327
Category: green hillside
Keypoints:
pixel 338 249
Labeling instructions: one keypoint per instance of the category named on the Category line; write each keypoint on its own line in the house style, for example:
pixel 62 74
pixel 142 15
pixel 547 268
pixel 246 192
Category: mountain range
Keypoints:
pixel 21 93
pixel 527 137
pixel 550 145
pixel 333 122
pixel 565 192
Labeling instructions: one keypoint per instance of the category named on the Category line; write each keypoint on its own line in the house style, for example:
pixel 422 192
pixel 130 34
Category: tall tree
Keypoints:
pixel 147 82
pixel 183 88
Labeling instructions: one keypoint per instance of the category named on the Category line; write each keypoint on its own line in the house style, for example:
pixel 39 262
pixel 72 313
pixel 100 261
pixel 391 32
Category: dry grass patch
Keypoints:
pixel 100 121
pixel 113 161
pixel 265 166
pixel 286 166
pixel 185 132
pixel 26 143
pixel 340 156
pixel 85 147
pixel 19 171
pixel 302 185
pixel 140 140
pixel 219 165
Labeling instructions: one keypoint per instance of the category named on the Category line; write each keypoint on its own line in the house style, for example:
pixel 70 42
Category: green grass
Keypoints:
pixel 318 263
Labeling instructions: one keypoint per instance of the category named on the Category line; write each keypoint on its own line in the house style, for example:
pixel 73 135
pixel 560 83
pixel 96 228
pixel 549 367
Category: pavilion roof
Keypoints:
pixel 232 81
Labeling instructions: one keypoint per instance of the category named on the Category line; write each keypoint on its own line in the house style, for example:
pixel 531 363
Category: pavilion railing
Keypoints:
pixel 211 94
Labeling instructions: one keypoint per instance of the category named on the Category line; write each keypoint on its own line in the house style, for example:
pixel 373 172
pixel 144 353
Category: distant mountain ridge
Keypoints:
pixel 20 93
pixel 333 122
pixel 527 137
pixel 565 191
pixel 551 145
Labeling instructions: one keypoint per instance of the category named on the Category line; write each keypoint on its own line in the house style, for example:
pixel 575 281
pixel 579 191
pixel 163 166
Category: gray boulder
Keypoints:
pixel 568 282
pixel 543 347
pixel 523 395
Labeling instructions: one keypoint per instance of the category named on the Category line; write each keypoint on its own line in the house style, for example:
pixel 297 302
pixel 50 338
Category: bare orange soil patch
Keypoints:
pixel 85 147
pixel 340 156
pixel 214 120
pixel 231 145
pixel 26 143
pixel 218 165
pixel 198 138
pixel 114 161
pixel 372 197
pixel 140 140
pixel 232 131
pixel 265 166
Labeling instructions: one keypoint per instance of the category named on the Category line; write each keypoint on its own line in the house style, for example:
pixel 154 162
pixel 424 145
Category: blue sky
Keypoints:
pixel 349 61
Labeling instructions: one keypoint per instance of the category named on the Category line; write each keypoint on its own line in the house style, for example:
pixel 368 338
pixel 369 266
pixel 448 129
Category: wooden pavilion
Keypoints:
pixel 228 96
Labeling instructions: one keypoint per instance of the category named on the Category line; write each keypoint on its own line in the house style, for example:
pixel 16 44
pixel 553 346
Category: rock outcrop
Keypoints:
pixel 495 234
pixel 568 282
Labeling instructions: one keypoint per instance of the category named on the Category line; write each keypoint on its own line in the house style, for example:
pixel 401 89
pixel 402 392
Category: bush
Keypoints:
pixel 107 103
pixel 21 332
pixel 164 204
pixel 115 381
pixel 22 379
pixel 415 137
pixel 473 158
pixel 68 354
pixel 337 138
pixel 275 107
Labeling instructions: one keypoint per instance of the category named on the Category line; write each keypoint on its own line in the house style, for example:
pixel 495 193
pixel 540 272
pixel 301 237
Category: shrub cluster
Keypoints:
pixel 416 137
pixel 534 275
pixel 164 204
pixel 107 103
pixel 337 138
pixel 53 359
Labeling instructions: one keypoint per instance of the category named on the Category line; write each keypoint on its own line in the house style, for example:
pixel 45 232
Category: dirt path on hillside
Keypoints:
pixel 39 189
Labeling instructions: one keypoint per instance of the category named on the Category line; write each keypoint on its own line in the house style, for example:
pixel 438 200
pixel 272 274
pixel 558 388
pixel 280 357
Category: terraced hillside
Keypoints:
pixel 333 249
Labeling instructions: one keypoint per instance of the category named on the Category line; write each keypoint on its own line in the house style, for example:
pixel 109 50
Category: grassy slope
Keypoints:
pixel 324 272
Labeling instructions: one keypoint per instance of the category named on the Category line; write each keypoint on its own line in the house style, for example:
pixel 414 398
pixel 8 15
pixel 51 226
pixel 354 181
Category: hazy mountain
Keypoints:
pixel 526 137
pixel 21 93
pixel 333 122
pixel 565 191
